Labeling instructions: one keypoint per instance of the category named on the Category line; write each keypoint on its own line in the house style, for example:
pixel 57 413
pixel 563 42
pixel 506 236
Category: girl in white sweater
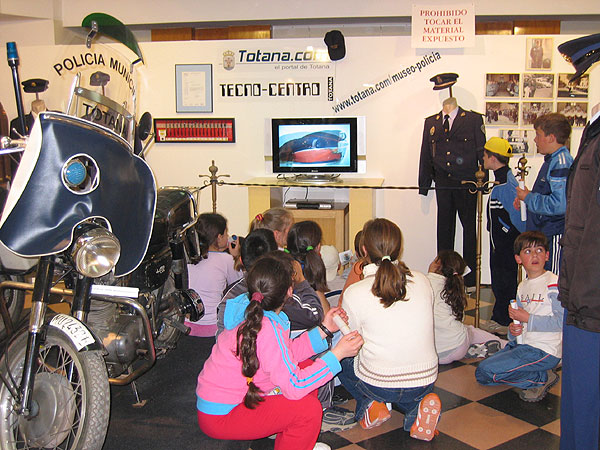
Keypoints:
pixel 453 339
pixel 392 308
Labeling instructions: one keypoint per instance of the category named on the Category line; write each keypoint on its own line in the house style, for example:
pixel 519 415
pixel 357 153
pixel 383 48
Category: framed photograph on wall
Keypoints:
pixel 538 85
pixel 193 87
pixel 539 53
pixel 532 110
pixel 577 89
pixel 575 112
pixel 502 84
pixel 521 141
pixel 502 113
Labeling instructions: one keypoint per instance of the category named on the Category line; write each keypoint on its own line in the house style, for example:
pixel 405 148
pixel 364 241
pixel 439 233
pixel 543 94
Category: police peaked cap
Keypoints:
pixel 443 80
pixel 581 53
pixel 35 85
pixel 336 46
pixel 99 79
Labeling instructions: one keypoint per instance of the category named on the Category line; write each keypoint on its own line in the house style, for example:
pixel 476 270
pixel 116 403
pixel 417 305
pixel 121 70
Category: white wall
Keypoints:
pixel 394 116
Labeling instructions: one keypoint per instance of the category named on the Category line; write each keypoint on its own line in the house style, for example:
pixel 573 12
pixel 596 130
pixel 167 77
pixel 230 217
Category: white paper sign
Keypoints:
pixel 443 26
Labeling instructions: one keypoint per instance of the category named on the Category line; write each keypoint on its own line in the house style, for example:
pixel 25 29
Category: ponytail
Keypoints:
pixel 383 241
pixel 452 266
pixel 303 240
pixel 208 229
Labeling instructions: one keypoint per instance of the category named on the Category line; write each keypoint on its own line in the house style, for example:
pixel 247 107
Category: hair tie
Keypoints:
pixel 455 273
pixel 386 257
pixel 257 297
pixel 259 217
pixel 309 248
pixel 249 380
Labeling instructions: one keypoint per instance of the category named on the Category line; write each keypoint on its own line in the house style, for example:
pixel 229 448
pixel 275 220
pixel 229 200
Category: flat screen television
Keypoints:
pixel 314 145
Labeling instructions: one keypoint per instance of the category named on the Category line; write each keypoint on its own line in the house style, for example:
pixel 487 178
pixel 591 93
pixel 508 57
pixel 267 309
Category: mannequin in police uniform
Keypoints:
pixel 451 151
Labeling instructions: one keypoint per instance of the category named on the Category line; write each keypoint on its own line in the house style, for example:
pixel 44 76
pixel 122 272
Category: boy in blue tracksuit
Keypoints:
pixel 547 201
pixel 504 224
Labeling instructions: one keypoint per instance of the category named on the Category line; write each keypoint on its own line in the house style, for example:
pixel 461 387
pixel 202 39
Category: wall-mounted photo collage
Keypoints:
pixel 516 100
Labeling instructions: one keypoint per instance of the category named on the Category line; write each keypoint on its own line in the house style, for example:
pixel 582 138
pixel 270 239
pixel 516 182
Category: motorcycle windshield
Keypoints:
pixel 103 76
pixel 110 26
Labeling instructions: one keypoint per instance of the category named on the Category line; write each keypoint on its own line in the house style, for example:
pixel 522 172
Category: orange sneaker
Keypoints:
pixel 427 418
pixel 375 415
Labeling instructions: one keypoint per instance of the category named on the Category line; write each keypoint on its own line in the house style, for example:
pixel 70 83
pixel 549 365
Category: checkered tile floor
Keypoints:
pixel 473 416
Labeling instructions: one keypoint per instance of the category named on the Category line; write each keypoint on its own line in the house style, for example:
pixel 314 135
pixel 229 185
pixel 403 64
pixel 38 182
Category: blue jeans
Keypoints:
pixel 406 399
pixel 521 366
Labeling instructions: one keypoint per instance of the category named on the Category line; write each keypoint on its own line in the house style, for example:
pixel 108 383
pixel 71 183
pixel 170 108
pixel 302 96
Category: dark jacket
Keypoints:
pixel 454 156
pixel 579 289
pixel 504 221
pixel 304 309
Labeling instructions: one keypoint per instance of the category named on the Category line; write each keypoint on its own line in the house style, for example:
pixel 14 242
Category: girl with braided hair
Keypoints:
pixel 251 386
pixel 453 339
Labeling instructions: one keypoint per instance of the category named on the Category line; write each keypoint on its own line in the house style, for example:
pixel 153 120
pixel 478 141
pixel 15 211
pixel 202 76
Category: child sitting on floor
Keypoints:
pixel 530 365
pixel 214 272
pixel 251 386
pixel 392 308
pixel 453 339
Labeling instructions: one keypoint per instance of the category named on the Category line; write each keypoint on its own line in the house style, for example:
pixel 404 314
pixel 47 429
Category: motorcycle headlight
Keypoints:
pixel 96 252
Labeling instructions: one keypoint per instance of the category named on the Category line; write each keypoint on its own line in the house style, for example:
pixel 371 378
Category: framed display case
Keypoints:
pixel 194 130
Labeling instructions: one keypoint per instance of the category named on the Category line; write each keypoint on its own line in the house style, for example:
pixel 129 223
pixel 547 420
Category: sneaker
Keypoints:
pixel 494 327
pixel 484 350
pixel 537 393
pixel 321 446
pixel 337 400
pixel 375 415
pixel 429 413
pixel 337 419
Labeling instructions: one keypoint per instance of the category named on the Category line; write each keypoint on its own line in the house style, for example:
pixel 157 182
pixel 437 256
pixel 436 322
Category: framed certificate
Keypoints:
pixel 193 87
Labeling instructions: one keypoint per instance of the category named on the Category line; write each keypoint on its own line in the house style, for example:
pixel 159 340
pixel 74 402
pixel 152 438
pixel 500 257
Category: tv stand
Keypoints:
pixel 312 178
pixel 361 200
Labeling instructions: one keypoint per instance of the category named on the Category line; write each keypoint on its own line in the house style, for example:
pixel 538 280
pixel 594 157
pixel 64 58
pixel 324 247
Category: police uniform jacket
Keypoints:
pixel 448 158
pixel 579 290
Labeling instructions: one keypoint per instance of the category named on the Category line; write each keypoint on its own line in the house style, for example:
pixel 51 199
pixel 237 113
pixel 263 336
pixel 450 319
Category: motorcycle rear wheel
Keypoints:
pixel 14 302
pixel 71 389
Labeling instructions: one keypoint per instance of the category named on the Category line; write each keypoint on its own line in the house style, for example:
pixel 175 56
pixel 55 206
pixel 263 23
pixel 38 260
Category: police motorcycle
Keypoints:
pixel 84 203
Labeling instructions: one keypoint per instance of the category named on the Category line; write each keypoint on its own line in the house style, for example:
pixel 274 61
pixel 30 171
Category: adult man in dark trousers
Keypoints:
pixel 451 151
pixel 579 288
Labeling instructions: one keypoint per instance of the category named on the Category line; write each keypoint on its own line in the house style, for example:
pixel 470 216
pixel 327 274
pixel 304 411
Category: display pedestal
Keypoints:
pixel 333 222
pixel 361 201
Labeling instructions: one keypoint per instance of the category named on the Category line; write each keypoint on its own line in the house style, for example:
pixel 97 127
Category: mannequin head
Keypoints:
pixel 38 106
pixel 449 105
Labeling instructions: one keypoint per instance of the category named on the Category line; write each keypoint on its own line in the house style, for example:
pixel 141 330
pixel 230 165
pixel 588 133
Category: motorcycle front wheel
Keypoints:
pixel 14 302
pixel 71 395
